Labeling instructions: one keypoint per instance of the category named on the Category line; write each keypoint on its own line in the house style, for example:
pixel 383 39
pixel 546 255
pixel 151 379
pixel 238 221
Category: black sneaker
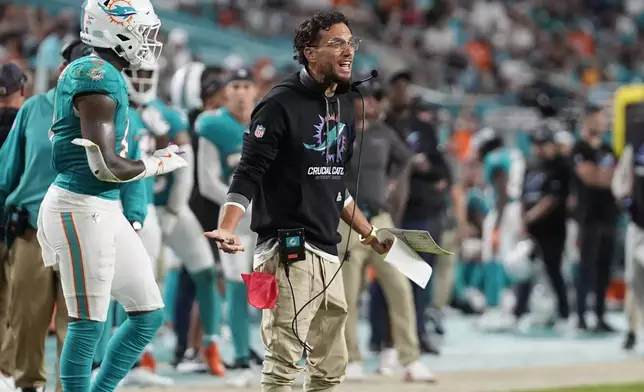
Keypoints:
pixel 603 327
pixel 581 325
pixel 630 341
pixel 435 317
pixel 256 358
pixel 240 363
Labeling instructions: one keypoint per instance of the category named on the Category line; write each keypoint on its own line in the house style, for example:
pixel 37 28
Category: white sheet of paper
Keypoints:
pixel 419 240
pixel 405 259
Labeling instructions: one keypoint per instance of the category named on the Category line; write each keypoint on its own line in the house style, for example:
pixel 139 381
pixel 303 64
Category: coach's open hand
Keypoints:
pixel 226 241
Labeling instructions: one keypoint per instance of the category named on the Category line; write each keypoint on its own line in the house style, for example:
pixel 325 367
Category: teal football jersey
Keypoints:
pixel 147 146
pixel 512 162
pixel 476 201
pixel 88 74
pixel 178 121
pixel 26 172
pixel 227 134
pixel 134 195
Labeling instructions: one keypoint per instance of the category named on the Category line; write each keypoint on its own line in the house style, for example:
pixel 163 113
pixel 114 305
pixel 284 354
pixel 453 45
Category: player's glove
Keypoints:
pixel 164 161
pixel 161 162
pixel 154 121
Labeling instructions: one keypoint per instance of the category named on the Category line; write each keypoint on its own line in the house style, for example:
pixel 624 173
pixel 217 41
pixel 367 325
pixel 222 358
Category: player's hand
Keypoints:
pixel 154 121
pixel 226 241
pixel 168 159
pixel 381 247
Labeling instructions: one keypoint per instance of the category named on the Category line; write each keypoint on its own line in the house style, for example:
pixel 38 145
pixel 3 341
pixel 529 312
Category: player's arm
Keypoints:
pixel 133 194
pixel 209 168
pixel 622 183
pixel 96 112
pixel 12 157
pixel 183 179
pixel 589 172
pixel 258 151
pixel 209 172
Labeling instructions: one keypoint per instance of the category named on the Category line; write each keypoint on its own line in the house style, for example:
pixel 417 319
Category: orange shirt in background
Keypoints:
pixel 582 42
pixel 460 143
pixel 480 53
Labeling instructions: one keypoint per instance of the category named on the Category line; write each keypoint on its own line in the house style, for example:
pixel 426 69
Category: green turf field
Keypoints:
pixel 601 388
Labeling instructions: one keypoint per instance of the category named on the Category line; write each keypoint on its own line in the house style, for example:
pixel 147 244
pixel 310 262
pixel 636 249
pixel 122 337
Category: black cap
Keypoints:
pixel 401 75
pixel 241 74
pixel 12 79
pixel 211 86
pixel 75 49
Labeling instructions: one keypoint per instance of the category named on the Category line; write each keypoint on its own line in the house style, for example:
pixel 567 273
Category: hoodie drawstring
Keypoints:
pixel 337 134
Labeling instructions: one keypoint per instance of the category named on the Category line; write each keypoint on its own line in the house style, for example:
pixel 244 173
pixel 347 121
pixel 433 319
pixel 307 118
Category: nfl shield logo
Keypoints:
pixel 259 131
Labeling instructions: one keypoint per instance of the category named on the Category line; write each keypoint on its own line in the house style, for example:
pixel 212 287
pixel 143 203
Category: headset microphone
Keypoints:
pixel 374 74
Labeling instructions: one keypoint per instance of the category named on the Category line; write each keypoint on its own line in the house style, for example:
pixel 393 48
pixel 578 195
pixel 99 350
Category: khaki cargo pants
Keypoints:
pixel 35 289
pixel 7 352
pixel 396 287
pixel 320 324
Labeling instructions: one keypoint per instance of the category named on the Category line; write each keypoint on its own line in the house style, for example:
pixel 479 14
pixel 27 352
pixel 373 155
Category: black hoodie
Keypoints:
pixel 288 169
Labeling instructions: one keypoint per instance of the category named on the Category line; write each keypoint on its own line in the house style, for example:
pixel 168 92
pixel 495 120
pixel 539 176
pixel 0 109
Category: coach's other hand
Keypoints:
pixel 381 247
pixel 226 241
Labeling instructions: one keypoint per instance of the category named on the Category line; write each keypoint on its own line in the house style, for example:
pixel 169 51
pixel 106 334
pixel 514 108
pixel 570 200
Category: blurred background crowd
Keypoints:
pixel 448 67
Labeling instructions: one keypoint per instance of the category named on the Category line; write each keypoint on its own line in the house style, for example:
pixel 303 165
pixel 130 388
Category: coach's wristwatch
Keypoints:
pixel 137 226
pixel 369 239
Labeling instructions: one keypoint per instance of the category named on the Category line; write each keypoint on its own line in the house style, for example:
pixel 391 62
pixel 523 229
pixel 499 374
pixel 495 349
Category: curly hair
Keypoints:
pixel 309 32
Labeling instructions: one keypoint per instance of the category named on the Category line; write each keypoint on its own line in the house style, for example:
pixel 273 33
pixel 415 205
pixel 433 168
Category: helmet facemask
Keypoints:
pixel 140 47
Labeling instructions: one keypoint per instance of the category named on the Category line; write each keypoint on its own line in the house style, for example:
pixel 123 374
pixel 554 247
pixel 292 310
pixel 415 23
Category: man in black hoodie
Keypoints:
pixel 292 167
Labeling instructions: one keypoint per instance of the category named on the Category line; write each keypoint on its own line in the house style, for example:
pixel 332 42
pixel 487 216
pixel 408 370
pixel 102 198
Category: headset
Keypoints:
pixel 306 347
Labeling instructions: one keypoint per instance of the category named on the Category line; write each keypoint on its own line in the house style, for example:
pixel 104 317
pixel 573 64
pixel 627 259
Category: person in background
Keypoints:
pixel 545 192
pixel 46 59
pixel 503 171
pixel 425 208
pixel 180 228
pixel 24 179
pixel 388 156
pixel 221 133
pixel 429 183
pixel 12 96
pixel 468 279
pixel 628 190
pixel 399 114
pixel 594 161
pixel 196 88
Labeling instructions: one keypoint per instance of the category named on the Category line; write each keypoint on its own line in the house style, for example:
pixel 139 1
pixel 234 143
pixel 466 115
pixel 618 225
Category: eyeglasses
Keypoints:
pixel 339 44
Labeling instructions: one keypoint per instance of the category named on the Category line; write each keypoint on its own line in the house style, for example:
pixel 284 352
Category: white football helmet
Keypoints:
pixel 143 83
pixel 128 27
